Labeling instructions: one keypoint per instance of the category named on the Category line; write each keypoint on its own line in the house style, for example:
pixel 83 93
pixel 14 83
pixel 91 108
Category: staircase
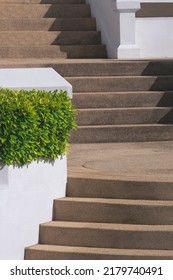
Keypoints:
pixel 123 101
pixel 105 219
pixel 119 101
pixel 48 29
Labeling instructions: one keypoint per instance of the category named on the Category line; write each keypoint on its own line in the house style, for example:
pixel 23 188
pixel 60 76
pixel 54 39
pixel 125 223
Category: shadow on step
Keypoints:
pixel 162 83
pixel 168 118
pixel 155 68
pixel 166 100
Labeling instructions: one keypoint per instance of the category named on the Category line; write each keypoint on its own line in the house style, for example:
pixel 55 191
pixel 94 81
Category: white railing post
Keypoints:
pixel 126 10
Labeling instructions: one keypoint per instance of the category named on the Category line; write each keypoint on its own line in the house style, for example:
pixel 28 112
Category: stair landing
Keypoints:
pixel 148 161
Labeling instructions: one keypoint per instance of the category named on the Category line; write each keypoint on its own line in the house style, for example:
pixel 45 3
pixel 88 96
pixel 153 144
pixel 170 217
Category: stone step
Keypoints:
pixel 121 211
pixel 122 133
pixel 44 10
pixel 158 237
pixel 86 100
pixel 121 84
pixel 29 62
pixel 42 1
pixel 45 24
pixel 96 67
pixel 55 252
pixel 113 116
pixel 31 51
pixel 116 68
pixel 45 51
pixel 50 38
pixel 84 51
pixel 109 188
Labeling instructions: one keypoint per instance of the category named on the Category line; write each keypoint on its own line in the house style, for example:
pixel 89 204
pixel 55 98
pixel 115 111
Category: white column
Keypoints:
pixel 126 10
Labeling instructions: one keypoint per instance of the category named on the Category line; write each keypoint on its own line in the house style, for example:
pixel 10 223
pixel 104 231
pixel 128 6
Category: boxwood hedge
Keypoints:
pixel 34 125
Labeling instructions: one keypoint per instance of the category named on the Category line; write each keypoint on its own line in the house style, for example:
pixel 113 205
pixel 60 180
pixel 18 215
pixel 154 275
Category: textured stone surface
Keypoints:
pixel 148 162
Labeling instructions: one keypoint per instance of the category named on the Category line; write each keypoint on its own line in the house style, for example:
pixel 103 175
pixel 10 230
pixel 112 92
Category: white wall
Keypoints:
pixel 108 23
pixel 155 37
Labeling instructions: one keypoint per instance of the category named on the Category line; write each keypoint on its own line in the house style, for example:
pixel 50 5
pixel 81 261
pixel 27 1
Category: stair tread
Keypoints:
pixel 41 1
pixel 47 31
pixel 126 125
pixel 84 62
pixel 119 77
pixel 125 109
pixel 50 37
pixel 163 203
pixel 124 92
pixel 108 226
pixel 109 251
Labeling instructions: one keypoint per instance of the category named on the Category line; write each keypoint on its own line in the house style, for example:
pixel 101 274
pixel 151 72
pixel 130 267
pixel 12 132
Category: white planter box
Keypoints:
pixel 26 200
pixel 27 193
pixel 33 78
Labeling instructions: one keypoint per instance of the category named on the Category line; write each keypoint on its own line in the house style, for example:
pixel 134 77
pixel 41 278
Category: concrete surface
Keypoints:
pixel 149 161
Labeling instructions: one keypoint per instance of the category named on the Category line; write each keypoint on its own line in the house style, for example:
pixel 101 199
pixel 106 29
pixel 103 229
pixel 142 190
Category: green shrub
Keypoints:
pixel 34 125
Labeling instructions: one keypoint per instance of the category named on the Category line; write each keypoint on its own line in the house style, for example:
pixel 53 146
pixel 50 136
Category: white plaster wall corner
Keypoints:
pixel 108 23
pixel 127 22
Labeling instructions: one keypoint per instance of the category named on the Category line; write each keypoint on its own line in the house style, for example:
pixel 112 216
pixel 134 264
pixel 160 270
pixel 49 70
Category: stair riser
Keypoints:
pixel 143 116
pixel 31 52
pixel 42 1
pixel 84 51
pixel 44 10
pixel 61 51
pixel 98 188
pixel 35 24
pixel 87 237
pixel 112 213
pixel 117 68
pixel 122 100
pixel 122 134
pixel 42 255
pixel 50 38
pixel 121 84
pixel 102 69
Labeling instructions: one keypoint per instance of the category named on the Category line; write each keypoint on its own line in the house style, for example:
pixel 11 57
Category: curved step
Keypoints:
pixel 118 236
pixel 107 188
pixel 55 252
pixel 121 211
